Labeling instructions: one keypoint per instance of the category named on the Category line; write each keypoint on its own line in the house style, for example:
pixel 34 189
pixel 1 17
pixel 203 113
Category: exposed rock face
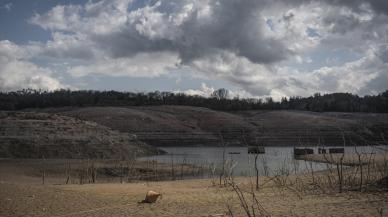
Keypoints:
pixel 37 135
pixel 185 125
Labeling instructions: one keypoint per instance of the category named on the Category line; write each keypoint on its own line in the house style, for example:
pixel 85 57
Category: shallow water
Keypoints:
pixel 276 160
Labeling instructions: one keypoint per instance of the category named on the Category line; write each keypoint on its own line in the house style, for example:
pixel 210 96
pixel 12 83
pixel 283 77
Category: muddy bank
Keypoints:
pixel 87 171
pixel 347 159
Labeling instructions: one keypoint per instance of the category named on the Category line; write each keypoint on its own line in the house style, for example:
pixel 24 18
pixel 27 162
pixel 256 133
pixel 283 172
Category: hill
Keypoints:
pixel 186 125
pixel 37 135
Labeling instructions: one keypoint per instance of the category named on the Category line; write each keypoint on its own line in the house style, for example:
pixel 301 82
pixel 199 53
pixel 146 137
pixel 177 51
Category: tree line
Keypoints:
pixel 219 100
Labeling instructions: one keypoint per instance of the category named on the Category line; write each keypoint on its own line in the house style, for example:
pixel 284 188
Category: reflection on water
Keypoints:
pixel 276 160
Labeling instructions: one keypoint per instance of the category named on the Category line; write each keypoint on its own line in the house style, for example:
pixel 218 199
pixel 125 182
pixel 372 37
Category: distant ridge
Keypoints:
pixel 219 100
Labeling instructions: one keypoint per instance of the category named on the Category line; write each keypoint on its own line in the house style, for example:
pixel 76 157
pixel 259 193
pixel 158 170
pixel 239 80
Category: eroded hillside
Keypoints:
pixel 37 135
pixel 185 125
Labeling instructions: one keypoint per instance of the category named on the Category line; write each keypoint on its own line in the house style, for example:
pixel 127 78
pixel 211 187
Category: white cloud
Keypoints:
pixel 60 17
pixel 142 65
pixel 255 78
pixel 354 77
pixel 17 73
pixel 204 91
pixel 358 76
pixel 292 25
pixel 258 80
pixel 65 46
pixel 10 51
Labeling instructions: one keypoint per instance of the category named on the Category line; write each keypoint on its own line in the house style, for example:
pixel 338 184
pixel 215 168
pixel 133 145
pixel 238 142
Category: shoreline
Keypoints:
pixel 347 159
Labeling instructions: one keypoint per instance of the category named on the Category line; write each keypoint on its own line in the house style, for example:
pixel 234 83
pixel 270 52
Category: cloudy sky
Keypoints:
pixel 255 48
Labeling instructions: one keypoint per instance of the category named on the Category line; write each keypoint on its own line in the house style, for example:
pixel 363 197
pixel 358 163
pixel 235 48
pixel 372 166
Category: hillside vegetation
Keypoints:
pixel 38 135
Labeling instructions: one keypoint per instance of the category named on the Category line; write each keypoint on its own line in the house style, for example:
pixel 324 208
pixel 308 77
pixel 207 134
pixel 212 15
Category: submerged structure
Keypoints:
pixel 336 150
pixel 256 150
pixel 302 151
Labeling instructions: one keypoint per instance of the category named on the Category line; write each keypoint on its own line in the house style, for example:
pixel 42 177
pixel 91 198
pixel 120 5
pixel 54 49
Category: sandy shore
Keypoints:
pixel 180 198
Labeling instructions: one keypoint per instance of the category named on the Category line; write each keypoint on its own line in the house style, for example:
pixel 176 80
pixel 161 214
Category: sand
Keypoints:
pixel 23 194
pixel 179 198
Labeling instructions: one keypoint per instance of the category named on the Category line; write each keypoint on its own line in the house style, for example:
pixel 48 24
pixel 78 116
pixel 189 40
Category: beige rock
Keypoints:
pixel 151 197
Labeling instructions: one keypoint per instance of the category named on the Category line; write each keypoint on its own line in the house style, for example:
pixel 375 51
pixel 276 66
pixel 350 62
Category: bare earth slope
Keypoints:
pixel 185 125
pixel 166 125
pixel 312 128
pixel 36 135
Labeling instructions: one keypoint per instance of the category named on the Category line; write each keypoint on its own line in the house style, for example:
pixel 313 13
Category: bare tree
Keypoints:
pixel 252 208
pixel 43 169
pixel 257 171
pixel 172 167
pixel 339 165
pixel 256 156
pixel 222 173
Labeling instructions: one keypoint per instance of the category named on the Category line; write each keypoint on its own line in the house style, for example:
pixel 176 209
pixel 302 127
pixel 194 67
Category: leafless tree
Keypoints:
pixel 222 172
pixel 43 169
pixel 172 167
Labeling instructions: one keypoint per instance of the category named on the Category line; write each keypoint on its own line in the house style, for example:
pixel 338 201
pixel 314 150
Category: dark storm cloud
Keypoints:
pixel 234 26
pixel 382 53
pixel 379 6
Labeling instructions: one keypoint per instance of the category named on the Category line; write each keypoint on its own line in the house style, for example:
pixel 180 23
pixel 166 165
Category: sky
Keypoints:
pixel 254 48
